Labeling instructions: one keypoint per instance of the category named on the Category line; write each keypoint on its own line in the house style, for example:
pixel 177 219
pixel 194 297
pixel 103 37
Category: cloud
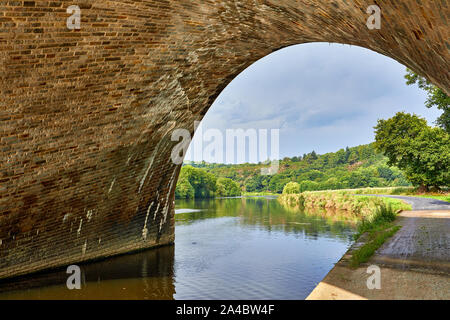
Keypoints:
pixel 321 96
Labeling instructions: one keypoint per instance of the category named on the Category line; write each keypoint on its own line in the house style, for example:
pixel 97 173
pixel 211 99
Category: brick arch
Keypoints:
pixel 86 115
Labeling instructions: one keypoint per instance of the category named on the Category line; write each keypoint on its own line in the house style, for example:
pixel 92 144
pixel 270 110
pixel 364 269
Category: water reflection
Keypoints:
pixel 144 275
pixel 240 248
pixel 267 213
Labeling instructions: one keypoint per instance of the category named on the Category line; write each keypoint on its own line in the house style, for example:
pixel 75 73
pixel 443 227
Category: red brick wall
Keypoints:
pixel 86 115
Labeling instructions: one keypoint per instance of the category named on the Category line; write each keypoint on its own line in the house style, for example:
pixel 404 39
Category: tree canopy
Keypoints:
pixel 227 188
pixel 436 97
pixel 200 182
pixel 422 152
pixel 291 188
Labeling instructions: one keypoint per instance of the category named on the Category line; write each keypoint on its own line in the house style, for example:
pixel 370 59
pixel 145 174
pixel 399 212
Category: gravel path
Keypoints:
pixel 414 263
pixel 418 203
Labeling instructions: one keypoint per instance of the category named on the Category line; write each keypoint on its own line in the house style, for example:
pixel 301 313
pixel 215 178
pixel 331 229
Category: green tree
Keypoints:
pixel 331 184
pixel 291 188
pixel 227 188
pixel 203 182
pixel 436 97
pixel 277 183
pixel 308 186
pixel 386 173
pixel 431 158
pixel 420 151
pixel 184 189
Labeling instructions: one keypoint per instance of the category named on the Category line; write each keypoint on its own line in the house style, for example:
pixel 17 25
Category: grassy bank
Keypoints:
pixel 249 194
pixel 360 206
pixel 443 195
pixel 376 236
pixel 375 215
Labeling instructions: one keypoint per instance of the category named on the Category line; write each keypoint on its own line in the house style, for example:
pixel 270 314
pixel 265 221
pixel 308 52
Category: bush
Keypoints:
pixel 202 182
pixel 184 189
pixel 291 188
pixel 227 188
pixel 384 213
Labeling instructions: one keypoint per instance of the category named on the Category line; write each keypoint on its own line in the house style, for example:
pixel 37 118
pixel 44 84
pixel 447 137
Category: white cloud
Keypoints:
pixel 322 97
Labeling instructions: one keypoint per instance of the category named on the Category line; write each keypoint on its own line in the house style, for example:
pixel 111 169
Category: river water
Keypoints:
pixel 234 248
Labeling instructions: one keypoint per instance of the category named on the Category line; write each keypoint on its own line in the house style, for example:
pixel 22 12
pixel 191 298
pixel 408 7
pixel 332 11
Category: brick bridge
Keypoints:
pixel 86 114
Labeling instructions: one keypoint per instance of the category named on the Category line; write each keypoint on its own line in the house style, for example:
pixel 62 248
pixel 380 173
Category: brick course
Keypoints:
pixel 86 115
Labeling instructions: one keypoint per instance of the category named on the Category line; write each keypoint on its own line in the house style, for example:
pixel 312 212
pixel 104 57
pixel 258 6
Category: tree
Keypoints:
pixel 227 188
pixel 256 183
pixel 277 183
pixel 308 186
pixel 386 173
pixel 312 175
pixel 184 189
pixel 431 152
pixel 331 184
pixel 204 183
pixel 420 151
pixel 436 97
pixel 291 188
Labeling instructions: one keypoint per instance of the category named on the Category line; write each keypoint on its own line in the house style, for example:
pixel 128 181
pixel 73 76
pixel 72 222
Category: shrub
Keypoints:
pixel 291 188
pixel 384 213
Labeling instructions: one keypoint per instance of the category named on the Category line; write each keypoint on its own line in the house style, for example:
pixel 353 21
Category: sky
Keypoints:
pixel 321 97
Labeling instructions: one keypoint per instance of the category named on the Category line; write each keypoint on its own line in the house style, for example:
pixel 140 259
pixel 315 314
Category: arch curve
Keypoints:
pixel 87 115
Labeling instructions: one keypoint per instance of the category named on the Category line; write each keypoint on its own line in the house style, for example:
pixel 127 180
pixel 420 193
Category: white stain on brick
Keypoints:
pixel 145 230
pixel 84 247
pixel 156 211
pixel 112 184
pixel 128 160
pixel 89 214
pixel 148 169
pixel 67 215
pixel 155 152
pixel 79 228
pixel 166 206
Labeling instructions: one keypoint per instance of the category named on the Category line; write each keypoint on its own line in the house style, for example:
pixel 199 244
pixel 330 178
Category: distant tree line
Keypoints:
pixel 356 167
pixel 406 152
pixel 198 183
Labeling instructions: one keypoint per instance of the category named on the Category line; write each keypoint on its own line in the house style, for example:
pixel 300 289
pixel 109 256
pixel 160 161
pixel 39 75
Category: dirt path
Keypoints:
pixel 418 203
pixel 414 263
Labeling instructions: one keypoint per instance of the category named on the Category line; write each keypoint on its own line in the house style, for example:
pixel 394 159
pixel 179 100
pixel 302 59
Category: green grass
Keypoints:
pixel 378 227
pixel 360 206
pixel 259 194
pixel 375 215
pixel 377 237
pixel 443 194
pixel 383 215
pixel 443 197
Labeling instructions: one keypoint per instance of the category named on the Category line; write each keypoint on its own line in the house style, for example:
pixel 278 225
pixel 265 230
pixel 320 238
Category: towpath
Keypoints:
pixel 414 263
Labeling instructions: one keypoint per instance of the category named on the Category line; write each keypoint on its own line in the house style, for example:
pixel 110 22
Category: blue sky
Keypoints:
pixel 321 96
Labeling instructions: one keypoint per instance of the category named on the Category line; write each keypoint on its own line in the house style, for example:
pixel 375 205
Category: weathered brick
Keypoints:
pixel 87 115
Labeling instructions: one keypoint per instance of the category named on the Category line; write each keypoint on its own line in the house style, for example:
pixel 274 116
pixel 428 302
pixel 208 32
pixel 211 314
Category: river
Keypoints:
pixel 234 248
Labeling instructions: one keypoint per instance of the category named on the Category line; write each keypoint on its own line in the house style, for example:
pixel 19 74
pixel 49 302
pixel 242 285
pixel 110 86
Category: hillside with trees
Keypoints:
pixel 355 167
pixel 198 183
pixel 406 152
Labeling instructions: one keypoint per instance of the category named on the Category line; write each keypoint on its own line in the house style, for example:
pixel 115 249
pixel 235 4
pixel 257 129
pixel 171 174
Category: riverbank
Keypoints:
pixel 374 216
pixel 443 195
pixel 360 206
pixel 413 263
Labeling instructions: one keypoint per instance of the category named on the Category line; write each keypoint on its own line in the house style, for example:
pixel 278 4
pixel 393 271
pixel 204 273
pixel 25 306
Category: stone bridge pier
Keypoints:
pixel 87 114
